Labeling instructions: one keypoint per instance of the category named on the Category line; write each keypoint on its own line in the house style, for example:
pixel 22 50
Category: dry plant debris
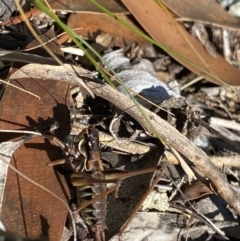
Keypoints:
pixel 95 23
pixel 26 210
pixel 209 12
pixel 198 125
pixel 173 35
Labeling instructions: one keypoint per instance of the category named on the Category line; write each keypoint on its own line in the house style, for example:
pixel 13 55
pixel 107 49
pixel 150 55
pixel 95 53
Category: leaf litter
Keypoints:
pixel 183 113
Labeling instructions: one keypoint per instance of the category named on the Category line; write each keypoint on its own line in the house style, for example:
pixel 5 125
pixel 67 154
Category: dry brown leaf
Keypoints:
pixel 93 24
pixel 53 45
pixel 207 11
pixel 194 190
pixel 7 150
pixel 18 19
pixel 161 27
pixel 28 210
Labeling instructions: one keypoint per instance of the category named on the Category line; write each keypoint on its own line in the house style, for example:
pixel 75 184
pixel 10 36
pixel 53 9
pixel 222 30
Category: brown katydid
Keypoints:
pixel 91 181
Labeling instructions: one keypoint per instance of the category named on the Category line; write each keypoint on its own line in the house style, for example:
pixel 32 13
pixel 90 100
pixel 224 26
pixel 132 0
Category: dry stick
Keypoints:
pixel 172 137
pixel 219 161
pixel 168 133
pixel 201 218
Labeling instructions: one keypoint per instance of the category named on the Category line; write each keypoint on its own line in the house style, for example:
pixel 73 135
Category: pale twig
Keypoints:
pixel 229 124
pixel 201 218
pixel 219 161
pixel 22 132
pixel 192 82
pixel 184 165
pixel 14 86
pixel 49 41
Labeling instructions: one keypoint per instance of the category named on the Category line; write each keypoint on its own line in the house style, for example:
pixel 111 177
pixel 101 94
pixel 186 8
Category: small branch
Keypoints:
pixel 173 138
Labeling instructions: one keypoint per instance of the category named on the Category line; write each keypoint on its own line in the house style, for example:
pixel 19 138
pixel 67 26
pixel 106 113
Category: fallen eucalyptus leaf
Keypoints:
pixel 207 11
pixel 173 36
pixel 7 150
